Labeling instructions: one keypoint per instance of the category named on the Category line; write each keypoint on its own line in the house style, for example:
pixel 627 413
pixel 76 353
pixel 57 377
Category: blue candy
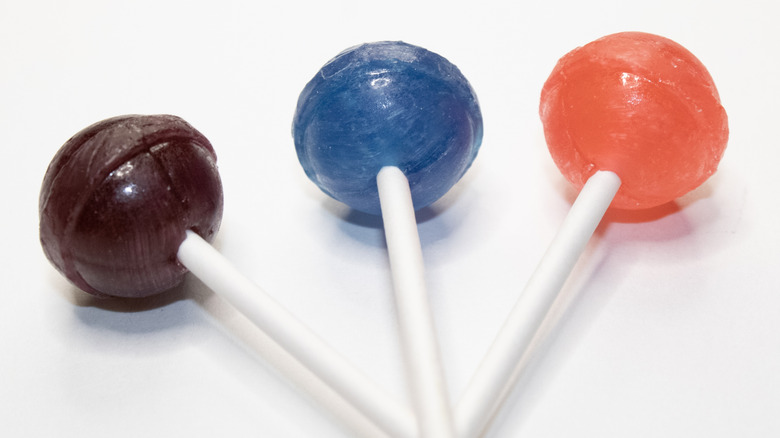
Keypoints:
pixel 387 104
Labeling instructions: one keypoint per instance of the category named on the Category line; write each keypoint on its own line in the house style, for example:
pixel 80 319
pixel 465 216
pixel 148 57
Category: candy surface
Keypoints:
pixel 118 197
pixel 387 104
pixel 641 106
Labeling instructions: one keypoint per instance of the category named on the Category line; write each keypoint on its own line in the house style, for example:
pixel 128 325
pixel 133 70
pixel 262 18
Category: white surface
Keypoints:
pixel 417 329
pixel 672 328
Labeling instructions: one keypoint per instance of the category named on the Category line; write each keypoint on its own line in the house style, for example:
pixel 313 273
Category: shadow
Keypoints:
pixel 170 310
pixel 361 219
pixel 368 229
pixel 366 220
pixel 701 193
pixel 677 220
pixel 618 215
pixel 129 305
pixel 682 218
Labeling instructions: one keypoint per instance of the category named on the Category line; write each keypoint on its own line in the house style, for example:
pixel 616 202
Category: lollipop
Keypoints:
pixel 129 204
pixel 388 128
pixel 635 121
pixel 638 105
pixel 117 199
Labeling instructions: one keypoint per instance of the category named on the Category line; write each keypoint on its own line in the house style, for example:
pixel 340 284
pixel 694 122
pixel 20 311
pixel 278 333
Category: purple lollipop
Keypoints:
pixel 118 198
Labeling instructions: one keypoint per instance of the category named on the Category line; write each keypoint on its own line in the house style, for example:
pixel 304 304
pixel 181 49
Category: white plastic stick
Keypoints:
pixel 483 396
pixel 418 337
pixel 217 273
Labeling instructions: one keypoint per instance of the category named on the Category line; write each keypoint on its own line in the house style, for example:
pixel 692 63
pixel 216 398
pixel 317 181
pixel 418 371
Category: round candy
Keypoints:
pixel 118 197
pixel 639 105
pixel 387 104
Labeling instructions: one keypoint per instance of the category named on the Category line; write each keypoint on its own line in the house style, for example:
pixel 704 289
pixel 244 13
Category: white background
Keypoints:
pixel 670 326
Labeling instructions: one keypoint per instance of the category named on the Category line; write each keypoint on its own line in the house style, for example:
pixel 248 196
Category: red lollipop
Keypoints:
pixel 641 106
pixel 635 121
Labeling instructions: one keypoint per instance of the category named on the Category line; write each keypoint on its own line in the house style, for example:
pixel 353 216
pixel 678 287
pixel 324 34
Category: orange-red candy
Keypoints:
pixel 641 106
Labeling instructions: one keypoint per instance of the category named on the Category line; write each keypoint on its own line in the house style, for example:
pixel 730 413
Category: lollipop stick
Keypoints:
pixel 423 362
pixel 218 274
pixel 483 396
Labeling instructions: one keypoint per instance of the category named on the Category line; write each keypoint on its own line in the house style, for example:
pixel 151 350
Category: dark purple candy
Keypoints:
pixel 118 197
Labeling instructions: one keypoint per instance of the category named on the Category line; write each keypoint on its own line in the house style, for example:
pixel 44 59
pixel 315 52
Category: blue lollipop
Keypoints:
pixel 389 128
pixel 387 104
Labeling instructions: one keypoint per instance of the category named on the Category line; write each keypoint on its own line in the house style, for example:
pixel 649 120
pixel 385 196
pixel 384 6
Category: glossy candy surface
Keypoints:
pixel 118 197
pixel 387 104
pixel 641 106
